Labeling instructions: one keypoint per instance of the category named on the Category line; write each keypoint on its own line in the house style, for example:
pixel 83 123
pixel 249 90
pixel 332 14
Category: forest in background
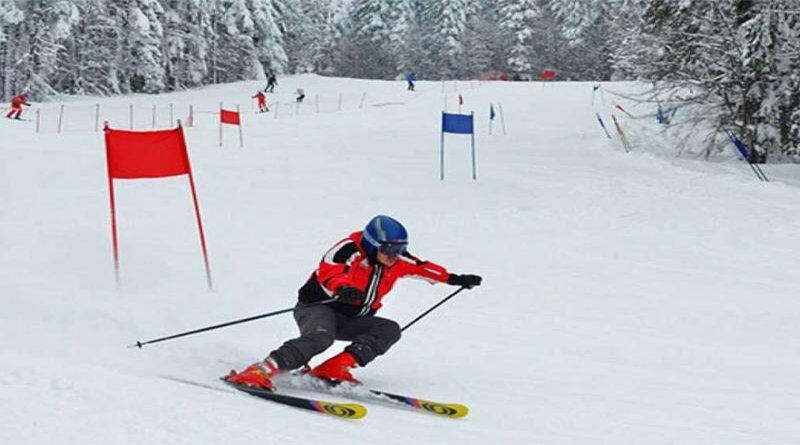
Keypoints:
pixel 724 63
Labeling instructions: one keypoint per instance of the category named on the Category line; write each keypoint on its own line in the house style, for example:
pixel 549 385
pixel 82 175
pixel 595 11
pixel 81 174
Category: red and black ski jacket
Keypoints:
pixel 346 264
pixel 18 101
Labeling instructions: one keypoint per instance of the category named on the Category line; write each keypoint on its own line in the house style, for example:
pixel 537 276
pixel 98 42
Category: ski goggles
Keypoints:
pixel 392 249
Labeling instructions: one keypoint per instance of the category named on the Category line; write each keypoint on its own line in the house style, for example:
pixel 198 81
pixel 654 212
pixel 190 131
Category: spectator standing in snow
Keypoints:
pixel 301 94
pixel 410 78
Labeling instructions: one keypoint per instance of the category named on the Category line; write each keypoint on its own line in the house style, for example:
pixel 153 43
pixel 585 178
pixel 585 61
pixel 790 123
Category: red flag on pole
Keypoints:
pixel 148 154
pixel 232 118
pixel 229 117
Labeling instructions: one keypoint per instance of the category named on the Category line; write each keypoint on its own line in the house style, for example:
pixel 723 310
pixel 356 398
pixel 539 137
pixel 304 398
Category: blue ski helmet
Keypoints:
pixel 385 234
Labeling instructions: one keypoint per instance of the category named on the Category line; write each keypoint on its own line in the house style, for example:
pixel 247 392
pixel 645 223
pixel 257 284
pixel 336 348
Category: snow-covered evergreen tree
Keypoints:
pixel 451 34
pixel 483 41
pixel 445 21
pixel 10 18
pixel 400 18
pixel 734 58
pixel 48 23
pixel 625 33
pixel 10 14
pixel 267 37
pixel 413 52
pixel 787 54
pixel 146 34
pixel 586 25
pixel 233 54
pixel 295 30
pixel 728 63
pixel 308 29
pixel 86 60
pixel 517 20
pixel 187 27
pixel 365 50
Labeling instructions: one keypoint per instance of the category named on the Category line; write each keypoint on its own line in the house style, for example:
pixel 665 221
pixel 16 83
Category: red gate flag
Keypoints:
pixel 547 75
pixel 232 118
pixel 148 154
pixel 229 117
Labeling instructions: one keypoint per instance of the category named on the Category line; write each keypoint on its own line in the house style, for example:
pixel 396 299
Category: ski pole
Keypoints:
pixel 209 328
pixel 432 308
pixel 739 145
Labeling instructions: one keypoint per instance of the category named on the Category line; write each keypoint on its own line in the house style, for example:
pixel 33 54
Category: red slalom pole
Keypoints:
pixel 197 213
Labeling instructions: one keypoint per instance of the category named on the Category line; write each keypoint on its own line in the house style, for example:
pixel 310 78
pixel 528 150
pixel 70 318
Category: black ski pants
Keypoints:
pixel 320 326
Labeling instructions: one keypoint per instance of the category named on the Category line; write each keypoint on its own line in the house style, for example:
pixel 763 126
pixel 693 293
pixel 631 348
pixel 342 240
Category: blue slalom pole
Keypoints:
pixel 602 125
pixel 742 149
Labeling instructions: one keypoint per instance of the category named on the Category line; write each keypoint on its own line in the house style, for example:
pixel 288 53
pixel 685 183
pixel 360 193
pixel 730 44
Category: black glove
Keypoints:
pixel 350 295
pixel 468 281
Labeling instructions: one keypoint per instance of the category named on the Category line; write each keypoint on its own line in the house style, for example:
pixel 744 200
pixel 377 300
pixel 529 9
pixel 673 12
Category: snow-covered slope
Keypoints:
pixel 627 298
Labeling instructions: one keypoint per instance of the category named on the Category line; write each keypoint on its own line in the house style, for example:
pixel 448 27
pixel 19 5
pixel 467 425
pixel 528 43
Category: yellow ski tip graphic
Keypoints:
pixel 452 410
pixel 343 410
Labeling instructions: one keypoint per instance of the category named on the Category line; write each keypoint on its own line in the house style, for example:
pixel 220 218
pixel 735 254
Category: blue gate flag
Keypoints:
pixel 491 112
pixel 457 123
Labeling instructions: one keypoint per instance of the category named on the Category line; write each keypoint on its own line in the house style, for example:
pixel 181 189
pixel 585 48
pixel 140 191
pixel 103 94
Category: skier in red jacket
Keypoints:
pixel 16 106
pixel 262 102
pixel 356 273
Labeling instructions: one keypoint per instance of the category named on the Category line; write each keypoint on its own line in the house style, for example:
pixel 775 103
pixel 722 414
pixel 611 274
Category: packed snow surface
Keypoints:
pixel 628 298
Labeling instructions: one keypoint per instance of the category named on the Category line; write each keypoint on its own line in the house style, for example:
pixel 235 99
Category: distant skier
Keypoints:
pixel 357 272
pixel 410 78
pixel 262 102
pixel 301 94
pixel 16 106
pixel 272 81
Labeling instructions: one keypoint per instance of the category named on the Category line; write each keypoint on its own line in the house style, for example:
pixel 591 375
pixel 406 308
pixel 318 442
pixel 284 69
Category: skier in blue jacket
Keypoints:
pixel 410 78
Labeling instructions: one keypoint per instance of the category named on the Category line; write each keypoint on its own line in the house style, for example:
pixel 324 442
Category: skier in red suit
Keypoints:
pixel 262 102
pixel 355 275
pixel 16 106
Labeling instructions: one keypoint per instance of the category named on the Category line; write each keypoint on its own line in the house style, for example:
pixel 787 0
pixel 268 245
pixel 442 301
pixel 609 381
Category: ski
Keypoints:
pixel 360 393
pixel 341 410
pixel 451 410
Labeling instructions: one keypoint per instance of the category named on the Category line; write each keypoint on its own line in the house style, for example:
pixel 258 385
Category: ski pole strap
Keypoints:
pixel 432 308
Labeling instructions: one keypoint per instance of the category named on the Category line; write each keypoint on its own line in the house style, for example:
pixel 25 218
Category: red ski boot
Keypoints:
pixel 257 375
pixel 337 368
